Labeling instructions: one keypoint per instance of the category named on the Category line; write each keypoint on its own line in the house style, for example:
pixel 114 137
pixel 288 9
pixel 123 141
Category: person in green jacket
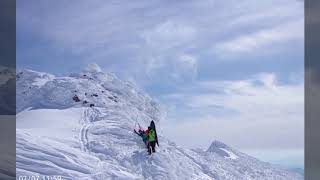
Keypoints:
pixel 151 140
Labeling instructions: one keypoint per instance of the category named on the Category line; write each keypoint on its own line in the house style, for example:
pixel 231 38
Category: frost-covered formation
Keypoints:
pixel 80 127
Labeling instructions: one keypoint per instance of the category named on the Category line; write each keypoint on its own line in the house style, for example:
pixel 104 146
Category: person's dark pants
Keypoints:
pixel 146 143
pixel 151 147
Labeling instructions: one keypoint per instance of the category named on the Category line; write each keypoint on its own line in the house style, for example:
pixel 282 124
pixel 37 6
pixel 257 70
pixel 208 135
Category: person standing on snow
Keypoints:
pixel 151 140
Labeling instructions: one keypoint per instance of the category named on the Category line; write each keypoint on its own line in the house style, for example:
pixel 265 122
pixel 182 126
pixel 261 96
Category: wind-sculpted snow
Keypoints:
pixel 42 90
pixel 58 134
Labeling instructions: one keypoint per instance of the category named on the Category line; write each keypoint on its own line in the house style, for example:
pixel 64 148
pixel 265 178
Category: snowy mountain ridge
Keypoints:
pixel 222 149
pixel 81 127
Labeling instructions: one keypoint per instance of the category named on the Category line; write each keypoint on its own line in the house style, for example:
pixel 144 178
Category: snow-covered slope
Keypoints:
pixel 58 133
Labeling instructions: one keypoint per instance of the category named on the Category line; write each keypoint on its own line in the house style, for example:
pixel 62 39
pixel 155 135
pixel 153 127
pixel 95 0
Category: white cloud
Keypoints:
pixel 164 51
pixel 259 113
pixel 186 67
pixel 187 59
pixel 174 67
pixel 168 34
pixel 93 67
pixel 146 37
pixel 261 40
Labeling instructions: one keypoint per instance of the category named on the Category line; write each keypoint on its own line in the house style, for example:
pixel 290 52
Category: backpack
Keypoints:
pixel 153 126
pixel 151 135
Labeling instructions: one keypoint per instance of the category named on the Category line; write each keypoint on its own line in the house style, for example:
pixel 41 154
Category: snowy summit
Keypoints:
pixel 81 127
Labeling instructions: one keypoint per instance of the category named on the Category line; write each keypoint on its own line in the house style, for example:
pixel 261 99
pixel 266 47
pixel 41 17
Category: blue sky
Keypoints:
pixel 226 70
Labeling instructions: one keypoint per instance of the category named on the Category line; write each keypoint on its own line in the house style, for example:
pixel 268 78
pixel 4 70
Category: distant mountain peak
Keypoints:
pixel 222 149
pixel 217 144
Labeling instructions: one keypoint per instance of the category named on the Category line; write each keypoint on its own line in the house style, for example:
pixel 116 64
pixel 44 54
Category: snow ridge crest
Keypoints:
pixel 217 144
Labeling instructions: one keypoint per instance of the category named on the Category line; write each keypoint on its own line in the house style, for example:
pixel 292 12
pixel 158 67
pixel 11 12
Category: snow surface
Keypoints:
pixel 42 81
pixel 59 136
pixel 231 155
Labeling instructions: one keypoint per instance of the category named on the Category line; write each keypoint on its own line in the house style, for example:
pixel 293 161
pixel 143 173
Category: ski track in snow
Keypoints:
pixel 61 137
pixel 87 120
